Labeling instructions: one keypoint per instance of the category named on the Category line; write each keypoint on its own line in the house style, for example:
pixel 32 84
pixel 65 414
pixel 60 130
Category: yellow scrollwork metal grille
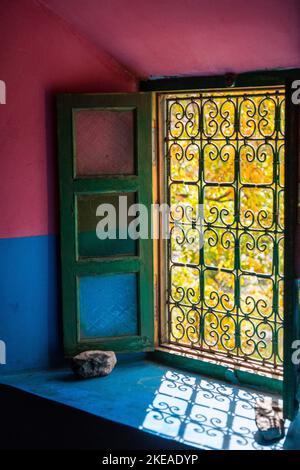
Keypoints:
pixel 224 151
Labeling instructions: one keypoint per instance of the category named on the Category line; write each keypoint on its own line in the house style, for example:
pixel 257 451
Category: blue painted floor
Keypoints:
pixel 193 410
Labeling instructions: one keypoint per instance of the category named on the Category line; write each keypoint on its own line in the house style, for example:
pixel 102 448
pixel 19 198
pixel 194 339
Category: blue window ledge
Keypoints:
pixel 186 408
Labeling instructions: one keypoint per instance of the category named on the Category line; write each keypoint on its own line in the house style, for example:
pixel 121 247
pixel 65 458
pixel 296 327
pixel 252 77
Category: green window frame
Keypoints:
pixel 288 386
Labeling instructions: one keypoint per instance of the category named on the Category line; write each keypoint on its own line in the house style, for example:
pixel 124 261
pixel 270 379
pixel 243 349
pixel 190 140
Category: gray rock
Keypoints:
pixel 269 419
pixel 93 363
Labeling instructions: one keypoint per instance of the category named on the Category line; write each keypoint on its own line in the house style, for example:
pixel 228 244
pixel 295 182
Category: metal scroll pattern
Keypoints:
pixel 226 152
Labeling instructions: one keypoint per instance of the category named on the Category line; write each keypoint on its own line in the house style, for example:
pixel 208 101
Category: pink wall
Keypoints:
pixel 170 37
pixel 40 55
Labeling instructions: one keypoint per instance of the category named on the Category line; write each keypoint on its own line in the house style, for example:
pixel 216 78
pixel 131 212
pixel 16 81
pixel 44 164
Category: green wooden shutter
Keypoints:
pixel 291 306
pixel 107 285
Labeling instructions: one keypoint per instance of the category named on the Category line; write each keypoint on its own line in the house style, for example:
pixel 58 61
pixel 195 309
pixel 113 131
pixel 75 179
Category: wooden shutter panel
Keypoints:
pixel 107 285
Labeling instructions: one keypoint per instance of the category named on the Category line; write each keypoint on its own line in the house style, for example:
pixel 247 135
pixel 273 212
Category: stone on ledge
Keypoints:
pixel 269 418
pixel 93 363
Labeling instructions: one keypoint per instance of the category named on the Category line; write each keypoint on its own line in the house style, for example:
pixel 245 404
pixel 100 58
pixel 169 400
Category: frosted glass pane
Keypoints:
pixel 104 142
pixel 108 305
pixel 89 244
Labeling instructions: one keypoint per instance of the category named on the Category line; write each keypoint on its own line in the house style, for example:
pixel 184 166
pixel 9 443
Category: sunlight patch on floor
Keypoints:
pixel 204 413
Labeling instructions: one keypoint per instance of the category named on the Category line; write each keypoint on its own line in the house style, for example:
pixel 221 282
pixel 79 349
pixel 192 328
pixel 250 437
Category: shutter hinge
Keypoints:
pixel 153 143
pixel 156 297
pixel 298 204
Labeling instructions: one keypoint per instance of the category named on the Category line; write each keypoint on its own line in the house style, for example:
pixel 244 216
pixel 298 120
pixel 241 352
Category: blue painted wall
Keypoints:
pixel 29 302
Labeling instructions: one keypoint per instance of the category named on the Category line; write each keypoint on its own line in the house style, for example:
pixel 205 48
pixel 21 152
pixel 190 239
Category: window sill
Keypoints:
pixel 211 366
pixel 184 409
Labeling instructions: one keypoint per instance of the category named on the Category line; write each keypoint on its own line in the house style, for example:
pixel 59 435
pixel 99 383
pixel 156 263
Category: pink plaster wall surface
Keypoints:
pixel 48 46
pixel 170 37
pixel 40 55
